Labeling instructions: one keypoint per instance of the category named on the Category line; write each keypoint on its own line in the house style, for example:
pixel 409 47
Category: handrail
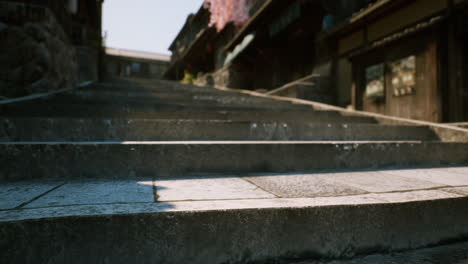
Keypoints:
pixel 43 95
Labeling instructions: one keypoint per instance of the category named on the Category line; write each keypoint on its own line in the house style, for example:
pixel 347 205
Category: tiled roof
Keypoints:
pixel 137 54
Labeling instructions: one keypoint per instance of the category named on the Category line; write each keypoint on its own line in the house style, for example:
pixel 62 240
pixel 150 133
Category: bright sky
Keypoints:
pixel 145 25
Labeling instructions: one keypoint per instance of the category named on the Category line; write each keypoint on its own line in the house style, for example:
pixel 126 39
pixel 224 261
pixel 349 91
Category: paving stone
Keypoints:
pixel 15 194
pixel 380 182
pixel 207 189
pixel 98 192
pixel 302 185
pixel 442 176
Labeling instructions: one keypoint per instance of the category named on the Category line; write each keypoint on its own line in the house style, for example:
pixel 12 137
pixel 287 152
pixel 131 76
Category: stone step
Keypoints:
pixel 68 129
pixel 165 87
pixel 164 94
pixel 153 83
pixel 231 219
pixel 184 97
pixel 159 87
pixel 194 102
pixel 153 104
pixel 231 114
pixel 29 160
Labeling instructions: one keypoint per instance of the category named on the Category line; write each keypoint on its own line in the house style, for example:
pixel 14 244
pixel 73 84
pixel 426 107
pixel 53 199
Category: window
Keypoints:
pixel 401 75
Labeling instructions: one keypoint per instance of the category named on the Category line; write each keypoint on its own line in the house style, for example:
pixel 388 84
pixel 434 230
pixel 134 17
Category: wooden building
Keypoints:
pixel 401 58
pixel 406 58
pixel 280 43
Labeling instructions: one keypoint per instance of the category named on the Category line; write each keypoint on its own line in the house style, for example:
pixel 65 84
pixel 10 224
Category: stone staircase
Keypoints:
pixel 137 171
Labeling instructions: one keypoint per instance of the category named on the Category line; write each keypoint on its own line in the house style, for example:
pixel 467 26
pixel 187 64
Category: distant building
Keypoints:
pixel 129 63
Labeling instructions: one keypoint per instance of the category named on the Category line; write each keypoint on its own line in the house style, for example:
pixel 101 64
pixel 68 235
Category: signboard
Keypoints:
pixel 403 76
pixel 375 81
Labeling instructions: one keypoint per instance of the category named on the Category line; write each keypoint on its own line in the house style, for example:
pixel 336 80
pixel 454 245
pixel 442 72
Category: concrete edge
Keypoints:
pixel 237 205
pixel 220 142
pixel 44 95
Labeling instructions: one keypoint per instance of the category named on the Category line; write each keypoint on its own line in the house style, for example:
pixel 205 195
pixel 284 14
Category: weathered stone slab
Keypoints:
pixel 380 182
pixel 14 194
pixel 444 176
pixel 98 192
pixel 302 185
pixel 208 189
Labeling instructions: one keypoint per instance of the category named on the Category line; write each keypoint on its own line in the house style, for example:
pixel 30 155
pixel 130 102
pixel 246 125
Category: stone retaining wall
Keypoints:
pixel 36 55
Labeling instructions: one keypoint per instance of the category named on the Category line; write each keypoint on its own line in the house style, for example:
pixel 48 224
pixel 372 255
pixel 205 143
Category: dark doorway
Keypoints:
pixel 464 85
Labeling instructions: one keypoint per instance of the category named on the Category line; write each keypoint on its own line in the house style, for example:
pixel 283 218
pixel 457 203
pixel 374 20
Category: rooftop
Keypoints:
pixel 137 54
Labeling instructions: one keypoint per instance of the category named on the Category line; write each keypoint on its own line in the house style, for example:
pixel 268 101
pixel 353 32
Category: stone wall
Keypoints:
pixel 36 55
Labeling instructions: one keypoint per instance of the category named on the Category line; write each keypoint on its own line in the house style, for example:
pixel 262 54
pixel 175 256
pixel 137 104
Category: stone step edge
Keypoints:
pixel 34 160
pixel 233 235
pixel 60 211
pixel 195 120
pixel 220 142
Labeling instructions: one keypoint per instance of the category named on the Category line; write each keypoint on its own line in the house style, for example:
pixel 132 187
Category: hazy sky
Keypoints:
pixel 146 25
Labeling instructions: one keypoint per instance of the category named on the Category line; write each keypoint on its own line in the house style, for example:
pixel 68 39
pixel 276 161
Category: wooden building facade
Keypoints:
pixel 280 43
pixel 406 59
